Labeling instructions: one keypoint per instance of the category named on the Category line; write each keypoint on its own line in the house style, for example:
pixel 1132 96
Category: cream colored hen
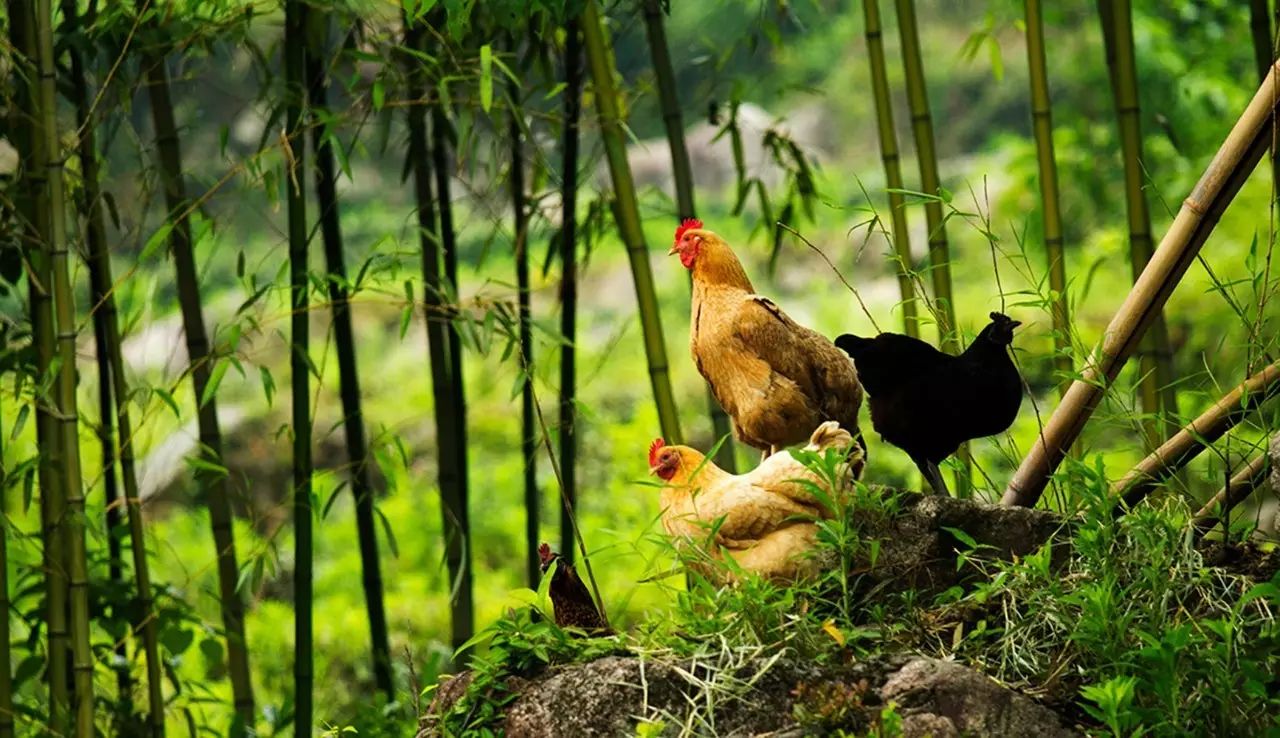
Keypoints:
pixel 764 518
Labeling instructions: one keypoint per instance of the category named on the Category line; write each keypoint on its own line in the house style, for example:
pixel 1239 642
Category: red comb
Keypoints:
pixel 653 450
pixel 687 224
pixel 544 553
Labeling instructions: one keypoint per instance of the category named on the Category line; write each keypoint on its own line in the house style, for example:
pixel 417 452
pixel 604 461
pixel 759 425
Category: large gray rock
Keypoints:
pixel 782 697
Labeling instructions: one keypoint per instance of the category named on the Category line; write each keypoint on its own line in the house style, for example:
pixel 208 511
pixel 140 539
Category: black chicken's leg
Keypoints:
pixel 932 475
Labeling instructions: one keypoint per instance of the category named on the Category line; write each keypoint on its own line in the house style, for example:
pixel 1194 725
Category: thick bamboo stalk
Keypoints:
pixel 1222 179
pixel 460 549
pixel 1042 125
pixel 56 246
pixel 627 213
pixel 1187 443
pixel 1158 391
pixel 682 171
pixel 6 658
pixel 295 41
pixel 569 282
pixel 436 317
pixel 528 437
pixel 211 481
pixel 1238 488
pixel 348 374
pixel 931 184
pixel 33 209
pixel 113 392
pixel 892 165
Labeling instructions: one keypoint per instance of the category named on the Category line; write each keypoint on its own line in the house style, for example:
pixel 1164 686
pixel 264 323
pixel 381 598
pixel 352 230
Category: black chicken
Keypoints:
pixel 570 598
pixel 926 402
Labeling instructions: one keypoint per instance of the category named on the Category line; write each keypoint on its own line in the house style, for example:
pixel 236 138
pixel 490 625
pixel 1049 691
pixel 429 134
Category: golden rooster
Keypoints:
pixel 775 378
pixel 764 518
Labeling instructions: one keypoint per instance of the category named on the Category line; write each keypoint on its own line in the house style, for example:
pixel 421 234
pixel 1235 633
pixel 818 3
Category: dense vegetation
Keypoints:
pixel 273 276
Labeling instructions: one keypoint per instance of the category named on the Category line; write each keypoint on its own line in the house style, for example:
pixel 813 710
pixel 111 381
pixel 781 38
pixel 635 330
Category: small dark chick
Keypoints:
pixel 927 402
pixel 570 598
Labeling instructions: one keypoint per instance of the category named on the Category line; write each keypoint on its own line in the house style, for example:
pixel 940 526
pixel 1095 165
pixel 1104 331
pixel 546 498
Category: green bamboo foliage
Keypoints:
pixel 56 248
pixel 660 53
pixel 450 446
pixel 6 658
pixel 931 184
pixel 892 165
pixel 295 29
pixel 1156 359
pixel 569 281
pixel 210 477
pixel 34 212
pixel 114 407
pixel 1042 124
pixel 344 339
pixel 627 214
pixel 528 436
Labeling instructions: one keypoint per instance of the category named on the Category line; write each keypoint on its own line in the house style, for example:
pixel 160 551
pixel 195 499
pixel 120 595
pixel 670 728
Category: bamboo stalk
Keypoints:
pixel 33 211
pixel 892 165
pixel 682 171
pixel 1222 179
pixel 444 397
pixel 1260 32
pixel 6 658
pixel 459 511
pixel 1238 488
pixel 211 481
pixel 627 213
pixel 1187 443
pixel 569 282
pixel 931 184
pixel 1158 390
pixel 295 40
pixel 56 247
pixel 114 394
pixel 528 439
pixel 348 375
pixel 1042 124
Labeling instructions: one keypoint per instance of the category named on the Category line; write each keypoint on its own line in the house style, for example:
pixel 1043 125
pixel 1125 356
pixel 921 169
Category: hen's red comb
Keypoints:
pixel 687 224
pixel 544 553
pixel 657 444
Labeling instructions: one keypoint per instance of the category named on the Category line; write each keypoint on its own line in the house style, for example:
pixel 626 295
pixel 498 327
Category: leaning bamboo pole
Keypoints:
pixel 1042 124
pixel 682 171
pixel 1222 179
pixel 353 427
pixel 295 40
pixel 627 213
pixel 211 480
pixel 892 164
pixel 33 212
pixel 568 435
pixel 1187 443
pixel 1238 488
pixel 57 249
pixel 1156 380
pixel 114 393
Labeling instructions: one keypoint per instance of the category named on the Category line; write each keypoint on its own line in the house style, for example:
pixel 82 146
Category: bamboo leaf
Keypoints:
pixel 378 93
pixel 23 413
pixel 268 383
pixel 215 378
pixel 386 529
pixel 167 396
pixel 486 77
pixel 158 239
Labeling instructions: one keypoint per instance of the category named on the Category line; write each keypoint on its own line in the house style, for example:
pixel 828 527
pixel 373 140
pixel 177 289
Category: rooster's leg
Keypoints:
pixel 933 476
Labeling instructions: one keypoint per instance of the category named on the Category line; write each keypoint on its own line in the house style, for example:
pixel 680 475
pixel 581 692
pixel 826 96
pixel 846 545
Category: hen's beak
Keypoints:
pixel 675 249
pixel 653 471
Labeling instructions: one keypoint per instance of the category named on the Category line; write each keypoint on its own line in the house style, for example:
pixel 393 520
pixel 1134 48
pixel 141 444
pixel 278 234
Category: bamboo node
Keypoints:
pixel 1194 206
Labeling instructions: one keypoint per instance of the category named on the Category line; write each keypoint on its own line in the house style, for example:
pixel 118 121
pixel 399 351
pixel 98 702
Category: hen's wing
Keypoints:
pixel 735 511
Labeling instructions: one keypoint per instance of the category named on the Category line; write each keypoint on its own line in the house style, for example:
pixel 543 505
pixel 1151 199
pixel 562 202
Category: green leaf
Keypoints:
pixel 23 413
pixel 215 378
pixel 379 94
pixel 167 396
pixel 268 383
pixel 386 529
pixel 486 77
pixel 158 239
